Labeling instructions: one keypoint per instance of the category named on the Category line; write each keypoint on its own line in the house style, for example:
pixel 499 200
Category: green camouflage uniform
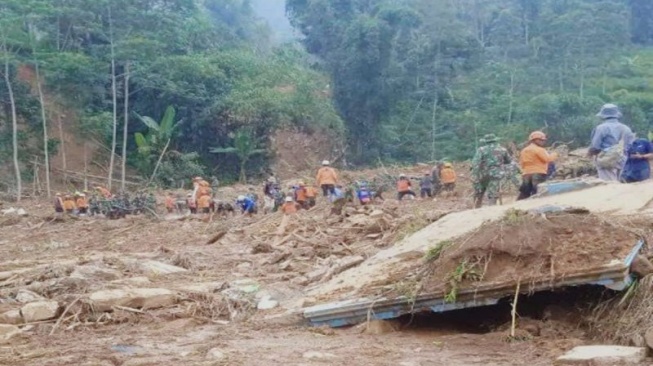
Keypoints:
pixel 488 170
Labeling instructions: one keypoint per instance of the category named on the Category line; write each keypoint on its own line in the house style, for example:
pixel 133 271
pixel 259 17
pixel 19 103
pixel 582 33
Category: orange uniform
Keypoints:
pixel 535 160
pixel 326 175
pixel 289 208
pixel 81 202
pixel 68 204
pixel 447 175
pixel 170 203
pixel 311 192
pixel 203 189
pixel 204 202
pixel 403 185
pixel 104 192
pixel 301 194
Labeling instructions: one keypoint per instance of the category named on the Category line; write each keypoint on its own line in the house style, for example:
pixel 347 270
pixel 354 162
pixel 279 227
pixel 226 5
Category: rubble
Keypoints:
pixel 25 296
pixel 95 272
pixel 39 311
pixel 159 268
pixel 267 303
pixel 139 298
pixel 603 356
pixel 11 317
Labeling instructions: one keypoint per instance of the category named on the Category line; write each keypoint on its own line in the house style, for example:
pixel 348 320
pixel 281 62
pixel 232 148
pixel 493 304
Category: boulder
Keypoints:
pixel 139 298
pixel 603 355
pixel 7 332
pixel 39 311
pixel 11 317
pixel 26 296
pixel 95 272
pixel 267 303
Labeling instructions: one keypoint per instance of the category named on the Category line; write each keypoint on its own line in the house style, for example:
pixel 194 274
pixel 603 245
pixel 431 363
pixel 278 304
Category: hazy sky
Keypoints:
pixel 274 11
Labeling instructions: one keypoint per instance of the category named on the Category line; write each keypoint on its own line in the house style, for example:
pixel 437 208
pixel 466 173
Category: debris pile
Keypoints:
pixel 519 248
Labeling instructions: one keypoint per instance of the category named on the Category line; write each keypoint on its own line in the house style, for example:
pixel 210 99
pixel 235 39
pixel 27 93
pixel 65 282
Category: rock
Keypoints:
pixel 26 296
pixel 215 354
pixel 262 248
pixel 603 355
pixel 641 266
pixel 300 281
pixel 11 317
pixel 139 298
pixel 96 273
pixel 286 266
pixel 159 268
pixel 267 303
pixel 637 340
pixel 7 332
pixel 39 311
pixel 376 214
pixel 314 355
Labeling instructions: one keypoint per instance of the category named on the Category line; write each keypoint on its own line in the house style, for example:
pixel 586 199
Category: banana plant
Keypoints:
pixel 158 138
pixel 244 147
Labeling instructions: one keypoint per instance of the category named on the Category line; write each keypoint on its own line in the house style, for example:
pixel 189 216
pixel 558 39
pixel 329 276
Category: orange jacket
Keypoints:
pixel 311 192
pixel 403 185
pixel 326 175
pixel 203 189
pixel 447 175
pixel 301 194
pixel 289 208
pixel 170 202
pixel 81 203
pixel 535 160
pixel 68 204
pixel 105 192
pixel 204 202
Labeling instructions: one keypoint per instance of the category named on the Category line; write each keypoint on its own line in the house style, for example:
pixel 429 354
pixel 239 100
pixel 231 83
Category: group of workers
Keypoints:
pixel 617 154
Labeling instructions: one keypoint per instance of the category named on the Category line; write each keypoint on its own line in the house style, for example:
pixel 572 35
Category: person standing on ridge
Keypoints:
pixel 426 186
pixel 487 169
pixel 448 177
pixel 610 139
pixel 534 161
pixel 327 178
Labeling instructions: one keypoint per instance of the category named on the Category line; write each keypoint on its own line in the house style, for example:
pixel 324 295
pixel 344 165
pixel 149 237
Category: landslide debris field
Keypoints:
pixel 184 291
pixel 520 247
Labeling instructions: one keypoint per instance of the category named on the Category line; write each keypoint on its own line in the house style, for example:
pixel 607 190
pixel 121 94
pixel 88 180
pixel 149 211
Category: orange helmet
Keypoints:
pixel 537 135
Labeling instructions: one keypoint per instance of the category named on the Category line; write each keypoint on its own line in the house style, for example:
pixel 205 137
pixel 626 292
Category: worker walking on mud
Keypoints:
pixel 311 197
pixel 82 204
pixel 448 178
pixel 426 186
pixel 338 200
pixel 404 187
pixel 487 170
pixel 68 204
pixel 300 194
pixel 609 142
pixel 327 178
pixel 534 161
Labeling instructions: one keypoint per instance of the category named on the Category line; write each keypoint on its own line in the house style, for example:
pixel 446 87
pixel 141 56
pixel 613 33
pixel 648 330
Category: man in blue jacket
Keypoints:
pixel 637 167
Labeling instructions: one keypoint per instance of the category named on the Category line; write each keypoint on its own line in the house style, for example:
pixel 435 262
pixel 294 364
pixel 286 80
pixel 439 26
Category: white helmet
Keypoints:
pixel 326 162
pixel 289 199
pixel 241 198
pixel 402 175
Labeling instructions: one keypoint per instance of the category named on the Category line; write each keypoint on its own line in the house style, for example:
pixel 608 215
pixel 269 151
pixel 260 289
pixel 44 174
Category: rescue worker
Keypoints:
pixel 363 194
pixel 170 202
pixel 289 207
pixel 204 204
pixel 300 194
pixel 191 204
pixel 487 170
pixel 68 204
pixel 435 178
pixel 82 204
pixel 247 205
pixel 448 178
pixel 311 197
pixel 327 178
pixel 270 188
pixel 638 168
pixel 534 162
pixel 200 188
pixel 103 191
pixel 58 203
pixel 608 140
pixel 426 186
pixel 404 187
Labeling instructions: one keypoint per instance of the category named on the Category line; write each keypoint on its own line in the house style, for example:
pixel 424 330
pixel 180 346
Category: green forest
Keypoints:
pixel 178 88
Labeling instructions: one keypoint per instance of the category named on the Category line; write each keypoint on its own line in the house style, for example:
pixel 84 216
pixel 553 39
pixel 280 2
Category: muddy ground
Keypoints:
pixel 214 319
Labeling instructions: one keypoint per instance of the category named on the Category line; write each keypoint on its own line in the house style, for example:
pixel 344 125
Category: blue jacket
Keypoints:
pixel 637 170
pixel 248 205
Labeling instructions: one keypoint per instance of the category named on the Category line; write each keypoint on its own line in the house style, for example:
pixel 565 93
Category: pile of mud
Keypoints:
pixel 523 247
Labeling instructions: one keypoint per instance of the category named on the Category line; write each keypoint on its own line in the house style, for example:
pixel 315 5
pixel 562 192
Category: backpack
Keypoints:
pixel 612 157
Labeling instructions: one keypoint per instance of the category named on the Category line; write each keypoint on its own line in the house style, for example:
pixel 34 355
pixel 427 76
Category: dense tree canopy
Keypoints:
pixel 420 79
